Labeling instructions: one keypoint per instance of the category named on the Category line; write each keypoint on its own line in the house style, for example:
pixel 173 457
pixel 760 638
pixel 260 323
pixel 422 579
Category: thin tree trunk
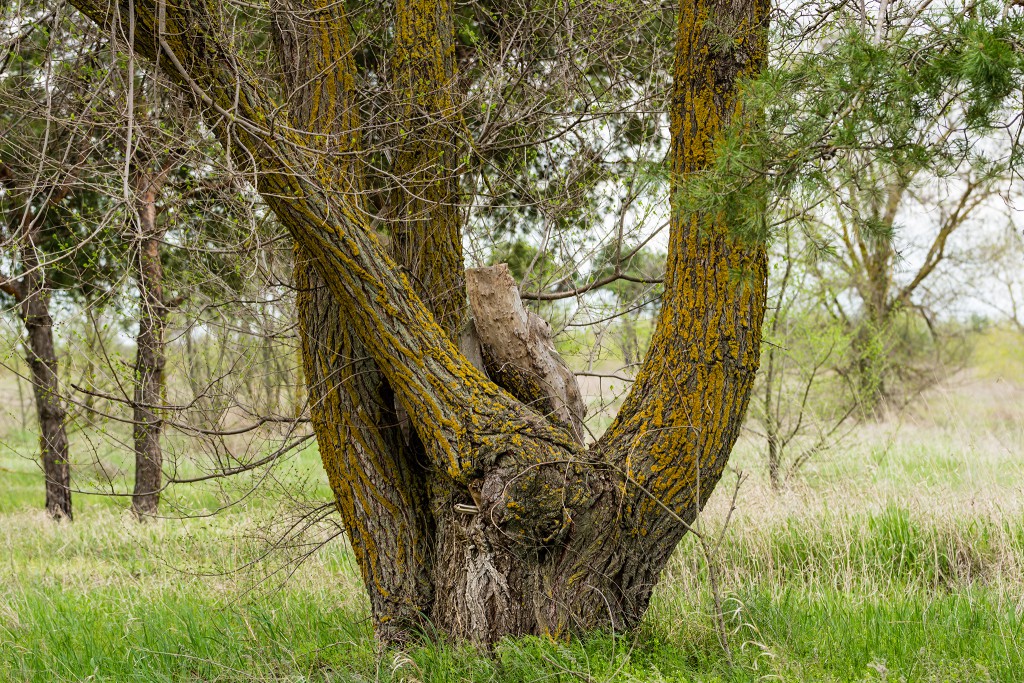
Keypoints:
pixel 149 354
pixel 771 425
pixel 93 343
pixel 872 343
pixel 774 377
pixel 33 295
pixel 43 364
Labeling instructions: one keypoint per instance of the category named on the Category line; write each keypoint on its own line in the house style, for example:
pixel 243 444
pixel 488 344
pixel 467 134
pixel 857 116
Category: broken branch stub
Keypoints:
pixel 517 349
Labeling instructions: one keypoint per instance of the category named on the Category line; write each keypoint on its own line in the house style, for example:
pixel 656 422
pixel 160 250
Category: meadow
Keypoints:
pixel 896 556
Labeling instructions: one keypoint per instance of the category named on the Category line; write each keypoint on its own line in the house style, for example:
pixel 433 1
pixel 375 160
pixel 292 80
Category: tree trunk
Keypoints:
pixel 376 474
pixel 771 424
pixel 42 359
pixel 774 378
pixel 149 353
pixel 490 520
pixel 32 293
pixel 872 341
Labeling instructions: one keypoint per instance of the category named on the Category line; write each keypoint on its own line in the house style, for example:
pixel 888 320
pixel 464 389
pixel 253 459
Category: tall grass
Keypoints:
pixel 865 596
pixel 897 557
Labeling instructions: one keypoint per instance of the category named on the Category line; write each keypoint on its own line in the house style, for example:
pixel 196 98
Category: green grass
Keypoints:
pixel 999 353
pixel 897 557
pixel 184 629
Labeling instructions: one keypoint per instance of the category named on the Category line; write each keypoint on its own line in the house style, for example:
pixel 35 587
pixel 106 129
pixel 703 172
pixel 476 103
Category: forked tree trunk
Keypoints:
pixel 489 520
pixel 149 352
pixel 376 473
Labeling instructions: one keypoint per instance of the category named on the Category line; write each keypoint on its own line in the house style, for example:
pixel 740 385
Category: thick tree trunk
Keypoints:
pixel 426 209
pixel 523 530
pixel 377 483
pixel 149 354
pixel 376 473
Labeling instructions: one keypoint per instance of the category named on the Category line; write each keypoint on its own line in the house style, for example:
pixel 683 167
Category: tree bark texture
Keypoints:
pixel 149 350
pixel 491 519
pixel 372 468
pixel 425 211
pixel 53 438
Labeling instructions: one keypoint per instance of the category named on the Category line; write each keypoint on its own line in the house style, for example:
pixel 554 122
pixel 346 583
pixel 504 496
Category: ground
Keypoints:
pixel 897 556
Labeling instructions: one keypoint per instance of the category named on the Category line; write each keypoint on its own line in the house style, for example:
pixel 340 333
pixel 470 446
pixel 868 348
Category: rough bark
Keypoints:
pixel 527 531
pixel 426 214
pixel 42 359
pixel 378 487
pixel 371 466
pixel 683 414
pixel 149 350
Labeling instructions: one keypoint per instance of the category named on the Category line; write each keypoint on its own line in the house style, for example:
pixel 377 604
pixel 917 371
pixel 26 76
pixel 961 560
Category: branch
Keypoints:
pixel 10 287
pixel 175 302
pixel 178 425
pixel 606 375
pixel 231 471
pixel 617 275
pixel 937 250
pixel 24 35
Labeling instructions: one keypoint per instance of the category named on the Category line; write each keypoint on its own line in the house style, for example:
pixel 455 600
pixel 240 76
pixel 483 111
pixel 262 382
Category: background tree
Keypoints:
pixel 152 146
pixel 880 168
pixel 94 125
pixel 54 223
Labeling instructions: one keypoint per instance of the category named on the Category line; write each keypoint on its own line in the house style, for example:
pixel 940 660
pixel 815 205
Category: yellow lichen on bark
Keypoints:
pixel 681 418
pixel 550 512
pixel 376 485
pixel 427 217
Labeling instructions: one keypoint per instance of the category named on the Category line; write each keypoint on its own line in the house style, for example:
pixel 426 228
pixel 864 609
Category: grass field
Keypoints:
pixel 897 557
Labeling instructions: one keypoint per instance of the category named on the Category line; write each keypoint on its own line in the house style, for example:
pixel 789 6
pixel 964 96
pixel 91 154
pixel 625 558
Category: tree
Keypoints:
pixel 46 204
pixel 887 130
pixel 148 180
pixel 507 524
pixel 115 199
pixel 32 295
pixel 871 266
pixel 150 146
pixel 801 402
pixel 897 212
